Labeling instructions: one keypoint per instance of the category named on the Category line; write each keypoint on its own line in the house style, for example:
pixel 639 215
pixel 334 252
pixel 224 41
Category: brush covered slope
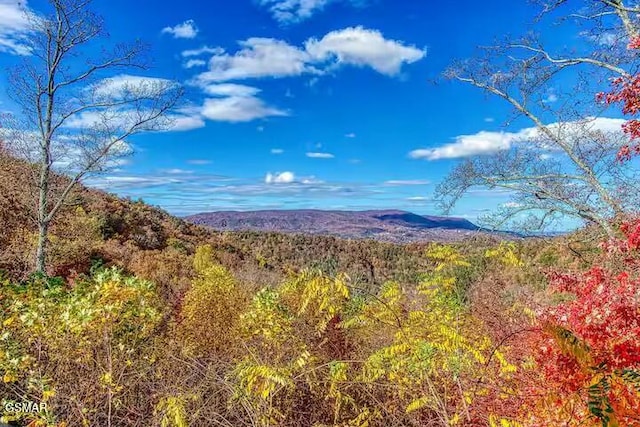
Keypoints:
pixel 156 321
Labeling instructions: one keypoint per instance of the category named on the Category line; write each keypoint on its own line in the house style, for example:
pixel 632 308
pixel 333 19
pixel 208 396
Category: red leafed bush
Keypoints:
pixel 626 91
pixel 590 349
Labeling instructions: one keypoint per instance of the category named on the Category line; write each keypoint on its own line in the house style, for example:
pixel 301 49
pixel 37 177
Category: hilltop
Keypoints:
pixel 395 226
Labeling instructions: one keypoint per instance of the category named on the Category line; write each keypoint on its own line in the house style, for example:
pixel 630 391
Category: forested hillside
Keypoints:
pixel 153 321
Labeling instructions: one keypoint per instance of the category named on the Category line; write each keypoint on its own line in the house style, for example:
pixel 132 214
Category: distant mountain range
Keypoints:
pixel 387 225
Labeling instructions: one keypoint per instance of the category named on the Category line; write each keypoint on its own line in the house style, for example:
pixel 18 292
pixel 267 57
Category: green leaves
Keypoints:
pixel 599 404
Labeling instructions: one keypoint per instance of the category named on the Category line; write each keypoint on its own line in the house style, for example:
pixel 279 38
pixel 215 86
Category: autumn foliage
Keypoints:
pixel 157 322
pixel 626 92
pixel 587 349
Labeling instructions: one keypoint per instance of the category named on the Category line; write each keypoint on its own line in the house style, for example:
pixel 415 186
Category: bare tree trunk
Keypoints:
pixel 43 220
pixel 52 93
pixel 41 252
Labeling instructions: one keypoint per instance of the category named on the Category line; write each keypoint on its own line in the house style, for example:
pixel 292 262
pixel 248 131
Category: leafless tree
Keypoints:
pixel 78 109
pixel 563 165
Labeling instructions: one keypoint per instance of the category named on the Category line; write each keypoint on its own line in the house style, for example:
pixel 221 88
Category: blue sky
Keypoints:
pixel 325 104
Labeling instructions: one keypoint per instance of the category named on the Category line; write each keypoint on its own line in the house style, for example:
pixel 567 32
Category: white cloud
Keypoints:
pixel 311 181
pixel 230 89
pixel 14 27
pixel 238 109
pixel 177 171
pixel 485 142
pixel 350 135
pixel 401 182
pixel 605 38
pixel 362 47
pixel 417 199
pixel 320 155
pixel 280 178
pixel 186 30
pixel 259 57
pixel 195 63
pixel 117 90
pixel 489 119
pixel 277 151
pixel 287 11
pixel 467 145
pixel 118 86
pixel 186 122
pixel 202 51
pixel 268 57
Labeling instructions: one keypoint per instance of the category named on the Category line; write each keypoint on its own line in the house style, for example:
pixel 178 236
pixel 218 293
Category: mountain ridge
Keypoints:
pixel 391 225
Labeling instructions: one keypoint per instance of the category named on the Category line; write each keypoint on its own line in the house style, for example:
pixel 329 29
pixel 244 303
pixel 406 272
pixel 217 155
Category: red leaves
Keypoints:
pixel 626 91
pixel 593 336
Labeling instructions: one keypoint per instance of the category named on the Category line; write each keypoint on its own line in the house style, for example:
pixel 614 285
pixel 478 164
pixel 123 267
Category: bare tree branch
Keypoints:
pixel 78 111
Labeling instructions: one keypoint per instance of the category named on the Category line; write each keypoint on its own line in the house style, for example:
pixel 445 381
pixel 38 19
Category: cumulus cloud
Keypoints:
pixel 363 47
pixel 258 57
pixel 238 109
pixel 186 30
pixel 268 57
pixel 14 27
pixel 182 122
pixel 485 142
pixel 230 89
pixel 467 145
pixel 280 178
pixel 320 155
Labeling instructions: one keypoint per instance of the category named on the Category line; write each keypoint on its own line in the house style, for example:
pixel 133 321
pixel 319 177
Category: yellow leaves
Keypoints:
pixel 502 422
pixel 338 371
pixel 506 368
pixel 417 404
pixel 262 380
pixel 569 344
pixel 211 308
pixel 312 293
pixel 203 258
pixel 446 256
pixel 107 381
pixel 173 412
pixel 505 254
pixel 9 377
pixel 48 394
pixel 390 292
pixel 302 360
pixel 8 322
